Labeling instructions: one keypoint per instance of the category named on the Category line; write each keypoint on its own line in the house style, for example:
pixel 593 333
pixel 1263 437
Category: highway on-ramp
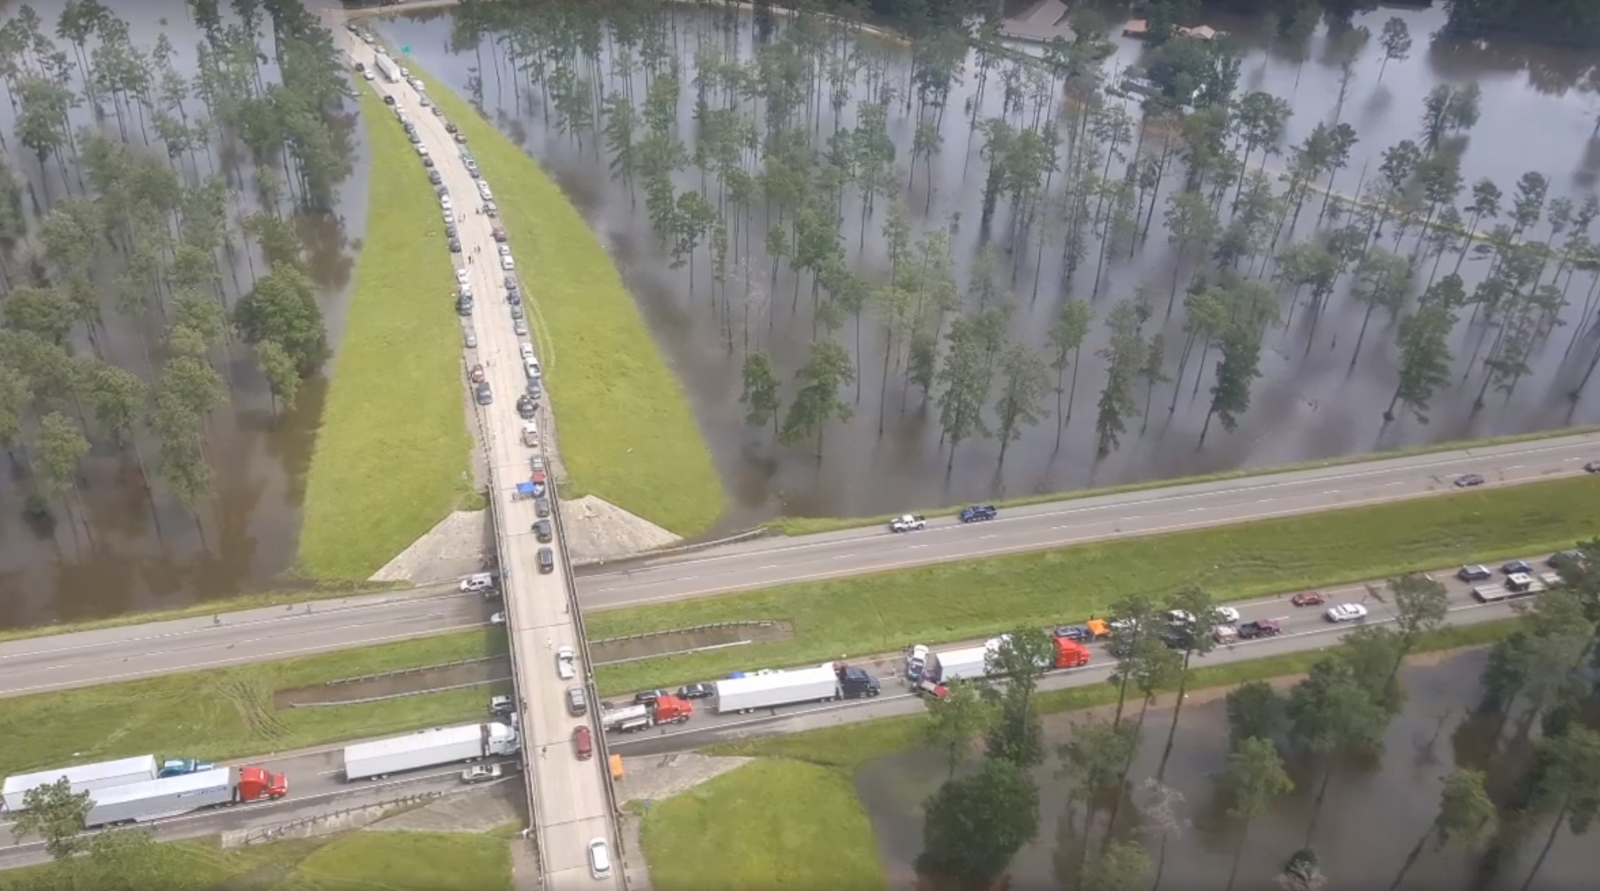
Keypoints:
pixel 32 665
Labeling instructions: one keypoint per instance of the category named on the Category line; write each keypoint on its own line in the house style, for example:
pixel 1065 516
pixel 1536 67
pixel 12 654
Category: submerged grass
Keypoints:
pixel 391 454
pixel 627 433
pixel 958 601
pixel 228 712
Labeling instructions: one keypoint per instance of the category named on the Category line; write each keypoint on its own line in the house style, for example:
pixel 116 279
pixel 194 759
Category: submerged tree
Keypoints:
pixel 817 404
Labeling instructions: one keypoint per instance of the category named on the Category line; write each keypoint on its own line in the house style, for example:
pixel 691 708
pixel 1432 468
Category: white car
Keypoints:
pixel 599 859
pixel 526 349
pixel 368 74
pixel 1347 612
pixel 462 275
pixel 1180 617
pixel 422 150
pixel 497 619
pixel 566 663
pixel 1227 615
pixel 445 203
pixel 481 773
pixel 503 250
pixel 508 264
pixel 519 327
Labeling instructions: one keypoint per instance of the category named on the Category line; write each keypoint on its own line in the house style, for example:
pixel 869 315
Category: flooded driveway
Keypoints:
pixel 1373 815
pixel 1315 398
pixel 128 547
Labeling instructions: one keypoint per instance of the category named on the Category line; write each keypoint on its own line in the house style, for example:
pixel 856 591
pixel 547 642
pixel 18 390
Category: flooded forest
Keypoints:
pixel 169 236
pixel 897 273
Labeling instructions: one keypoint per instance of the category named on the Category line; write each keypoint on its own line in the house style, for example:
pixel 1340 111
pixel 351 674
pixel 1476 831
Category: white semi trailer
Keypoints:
pixel 83 777
pixel 387 67
pixel 778 688
pixel 428 748
pixel 175 796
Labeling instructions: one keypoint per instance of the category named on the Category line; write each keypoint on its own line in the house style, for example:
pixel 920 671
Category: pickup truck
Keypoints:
pixel 908 523
pixel 978 513
pixel 1260 628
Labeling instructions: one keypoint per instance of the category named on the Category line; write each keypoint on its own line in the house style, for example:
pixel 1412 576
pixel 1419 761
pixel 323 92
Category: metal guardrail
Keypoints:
pixel 407 694
pixel 693 629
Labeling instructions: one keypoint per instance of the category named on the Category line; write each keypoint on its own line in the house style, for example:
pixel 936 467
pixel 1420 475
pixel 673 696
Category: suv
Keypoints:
pixel 978 512
pixel 576 703
pixel 541 507
pixel 541 531
pixel 547 561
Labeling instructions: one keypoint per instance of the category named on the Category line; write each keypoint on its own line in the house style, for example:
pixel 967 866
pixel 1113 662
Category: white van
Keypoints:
pixel 531 368
pixel 527 351
pixel 481 581
pixel 530 434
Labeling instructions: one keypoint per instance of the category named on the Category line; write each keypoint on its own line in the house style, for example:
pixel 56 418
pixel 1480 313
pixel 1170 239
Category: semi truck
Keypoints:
pixel 100 775
pixel 643 716
pixel 428 748
pixel 387 68
pixel 175 796
pixel 820 684
pixel 973 662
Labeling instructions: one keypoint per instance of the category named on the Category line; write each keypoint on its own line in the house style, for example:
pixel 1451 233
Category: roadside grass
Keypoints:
pixel 813 525
pixel 959 601
pixel 847 746
pixel 318 591
pixel 228 712
pixel 406 861
pixel 626 430
pixel 776 824
pixel 391 454
pixel 354 861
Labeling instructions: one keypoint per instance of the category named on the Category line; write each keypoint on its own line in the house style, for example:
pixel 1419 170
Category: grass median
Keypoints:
pixel 626 430
pixel 775 824
pixel 229 713
pixel 391 454
pixel 374 860
pixel 958 601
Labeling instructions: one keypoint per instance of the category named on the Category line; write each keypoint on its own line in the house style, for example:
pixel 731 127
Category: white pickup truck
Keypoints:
pixel 908 523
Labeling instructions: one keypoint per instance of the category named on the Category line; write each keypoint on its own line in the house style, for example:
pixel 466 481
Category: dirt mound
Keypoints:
pixel 421 680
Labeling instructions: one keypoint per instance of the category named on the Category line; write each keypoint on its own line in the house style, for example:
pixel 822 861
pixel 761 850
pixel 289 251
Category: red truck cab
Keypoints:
pixel 1070 654
pixel 256 784
pixel 672 710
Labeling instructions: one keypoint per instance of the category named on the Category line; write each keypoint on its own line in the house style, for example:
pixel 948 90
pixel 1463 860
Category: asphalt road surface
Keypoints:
pixel 768 562
pixel 570 798
pixel 1304 628
pixel 316 788
pixel 33 665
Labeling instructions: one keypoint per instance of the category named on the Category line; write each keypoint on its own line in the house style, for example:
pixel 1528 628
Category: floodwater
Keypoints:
pixel 128 549
pixel 1311 402
pixel 1373 814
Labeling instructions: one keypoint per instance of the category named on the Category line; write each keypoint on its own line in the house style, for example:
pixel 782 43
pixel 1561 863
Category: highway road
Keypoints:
pixel 316 788
pixel 1304 628
pixel 33 665
pixel 570 798
pixel 765 563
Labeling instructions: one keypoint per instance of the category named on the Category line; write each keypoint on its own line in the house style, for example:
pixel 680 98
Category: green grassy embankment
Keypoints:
pixel 626 430
pixel 391 454
pixel 355 861
pixel 812 525
pixel 228 712
pixel 775 824
pixel 958 601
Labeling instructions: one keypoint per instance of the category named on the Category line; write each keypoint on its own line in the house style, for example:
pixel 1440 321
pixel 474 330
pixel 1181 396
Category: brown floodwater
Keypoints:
pixel 132 549
pixel 1312 400
pixel 1373 815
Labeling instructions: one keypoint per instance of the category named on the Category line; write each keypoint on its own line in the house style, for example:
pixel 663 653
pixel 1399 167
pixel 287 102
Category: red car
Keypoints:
pixel 1308 598
pixel 477 373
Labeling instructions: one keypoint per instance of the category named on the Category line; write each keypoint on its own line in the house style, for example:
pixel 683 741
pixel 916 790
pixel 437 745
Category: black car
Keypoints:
pixel 1078 633
pixel 463 306
pixel 541 507
pixel 449 127
pixel 541 531
pixel 483 394
pixel 526 407
pixel 696 691
pixel 434 177
pixel 649 696
pixel 1474 573
pixel 388 100
pixel 449 230
pixel 513 298
pixel 1516 566
pixel 427 161
pixel 455 245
